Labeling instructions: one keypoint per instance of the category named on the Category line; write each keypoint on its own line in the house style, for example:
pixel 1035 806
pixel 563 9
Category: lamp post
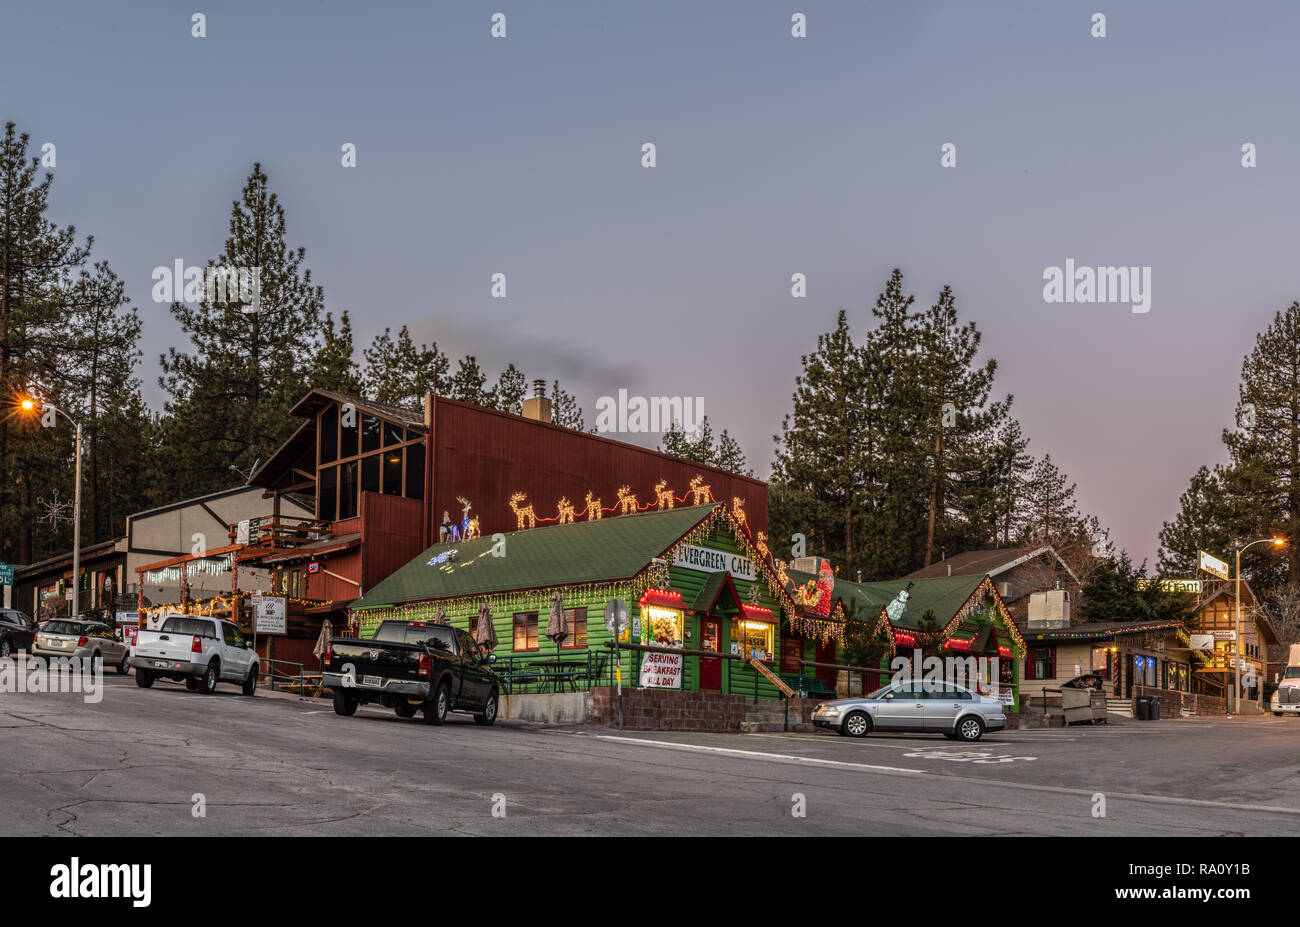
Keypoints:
pixel 1236 694
pixel 29 405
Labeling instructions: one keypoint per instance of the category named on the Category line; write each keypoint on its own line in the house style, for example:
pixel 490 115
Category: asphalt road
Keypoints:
pixel 137 763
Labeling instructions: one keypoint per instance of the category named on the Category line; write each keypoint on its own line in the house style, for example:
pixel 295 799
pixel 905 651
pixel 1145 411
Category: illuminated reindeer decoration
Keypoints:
pixel 738 512
pixel 594 511
pixel 565 508
pixel 664 495
pixel 626 500
pixel 468 526
pixel 700 491
pixel 523 513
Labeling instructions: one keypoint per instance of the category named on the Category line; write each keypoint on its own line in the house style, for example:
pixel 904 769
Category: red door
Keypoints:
pixel 826 654
pixel 710 667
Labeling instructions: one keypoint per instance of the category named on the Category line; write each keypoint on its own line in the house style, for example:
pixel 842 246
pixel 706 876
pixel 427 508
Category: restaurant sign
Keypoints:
pixel 708 560
pixel 661 671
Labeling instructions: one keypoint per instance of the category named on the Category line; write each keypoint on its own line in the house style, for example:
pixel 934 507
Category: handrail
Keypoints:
pixel 272 675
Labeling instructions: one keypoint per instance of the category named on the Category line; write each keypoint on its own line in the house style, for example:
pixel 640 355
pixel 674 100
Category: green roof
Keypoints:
pixel 943 595
pixel 607 550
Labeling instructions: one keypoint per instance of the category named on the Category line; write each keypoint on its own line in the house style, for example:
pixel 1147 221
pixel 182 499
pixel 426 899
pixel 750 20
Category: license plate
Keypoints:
pixel 376 681
pixel 161 663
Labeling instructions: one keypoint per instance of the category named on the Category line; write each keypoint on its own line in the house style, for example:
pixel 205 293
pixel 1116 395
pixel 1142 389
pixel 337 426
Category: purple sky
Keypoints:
pixel 775 155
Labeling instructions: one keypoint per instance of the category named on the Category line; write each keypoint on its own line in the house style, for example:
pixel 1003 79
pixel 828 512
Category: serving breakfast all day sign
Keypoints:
pixel 661 670
pixel 708 560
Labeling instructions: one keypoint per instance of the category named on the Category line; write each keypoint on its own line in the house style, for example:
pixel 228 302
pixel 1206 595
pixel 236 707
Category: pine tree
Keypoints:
pixel 1204 522
pixel 336 366
pixel 400 373
pixel 511 390
pixel 231 396
pixel 729 456
pixel 38 258
pixel 468 383
pixel 565 410
pixel 817 477
pixel 950 387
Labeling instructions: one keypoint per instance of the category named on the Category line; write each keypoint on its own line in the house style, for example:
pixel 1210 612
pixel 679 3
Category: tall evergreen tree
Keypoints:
pixel 469 383
pixel 817 477
pixel 230 395
pixel 400 372
pixel 565 409
pixel 511 390
pixel 39 279
pixel 1204 522
pixel 336 365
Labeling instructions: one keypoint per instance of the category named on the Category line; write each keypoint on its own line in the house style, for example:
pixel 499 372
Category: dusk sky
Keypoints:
pixel 775 155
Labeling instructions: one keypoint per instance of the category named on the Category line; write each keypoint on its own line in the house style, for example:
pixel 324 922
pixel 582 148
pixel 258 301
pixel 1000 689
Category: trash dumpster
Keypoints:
pixel 1144 708
pixel 1155 709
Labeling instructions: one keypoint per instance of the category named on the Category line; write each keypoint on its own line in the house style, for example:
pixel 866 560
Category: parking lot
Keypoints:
pixel 168 761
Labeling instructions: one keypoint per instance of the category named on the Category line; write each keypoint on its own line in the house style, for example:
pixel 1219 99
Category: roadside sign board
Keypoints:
pixel 270 614
pixel 1202 641
pixel 6 574
pixel 1212 564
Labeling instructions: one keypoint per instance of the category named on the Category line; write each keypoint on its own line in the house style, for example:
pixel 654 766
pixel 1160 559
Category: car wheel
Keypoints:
pixel 970 729
pixel 6 649
pixel 1276 714
pixel 345 703
pixel 489 713
pixel 857 724
pixel 405 710
pixel 143 678
pixel 125 666
pixel 208 684
pixel 250 681
pixel 435 710
pixel 191 683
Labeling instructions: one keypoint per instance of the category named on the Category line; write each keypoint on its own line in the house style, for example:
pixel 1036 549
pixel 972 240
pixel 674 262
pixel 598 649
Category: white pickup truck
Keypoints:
pixel 197 650
pixel 1286 700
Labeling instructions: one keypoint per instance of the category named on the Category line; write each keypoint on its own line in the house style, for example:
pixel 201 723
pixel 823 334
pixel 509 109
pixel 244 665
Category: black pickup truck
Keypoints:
pixel 412 666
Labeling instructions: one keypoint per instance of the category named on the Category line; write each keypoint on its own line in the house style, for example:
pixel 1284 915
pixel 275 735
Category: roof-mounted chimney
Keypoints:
pixel 538 407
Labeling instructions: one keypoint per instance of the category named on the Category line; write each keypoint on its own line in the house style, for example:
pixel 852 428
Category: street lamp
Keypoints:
pixel 1236 695
pixel 28 404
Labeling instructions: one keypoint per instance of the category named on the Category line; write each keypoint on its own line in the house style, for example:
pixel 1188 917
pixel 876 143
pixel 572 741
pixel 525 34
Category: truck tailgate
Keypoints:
pixel 167 645
pixel 379 659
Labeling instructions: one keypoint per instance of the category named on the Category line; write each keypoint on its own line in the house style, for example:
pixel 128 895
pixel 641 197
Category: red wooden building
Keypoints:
pixel 386 483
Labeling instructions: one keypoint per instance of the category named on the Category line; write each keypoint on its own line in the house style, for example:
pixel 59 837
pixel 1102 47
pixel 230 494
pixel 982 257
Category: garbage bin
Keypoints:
pixel 1144 708
pixel 1155 709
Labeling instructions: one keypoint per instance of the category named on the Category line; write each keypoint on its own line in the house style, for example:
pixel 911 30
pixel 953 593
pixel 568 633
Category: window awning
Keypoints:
pixel 758 613
pixel 662 598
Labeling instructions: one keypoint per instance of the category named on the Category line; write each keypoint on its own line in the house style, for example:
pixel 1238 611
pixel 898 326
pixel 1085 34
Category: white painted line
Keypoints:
pixel 759 755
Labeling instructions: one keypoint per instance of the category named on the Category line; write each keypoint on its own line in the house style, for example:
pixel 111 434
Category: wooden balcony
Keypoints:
pixel 277 534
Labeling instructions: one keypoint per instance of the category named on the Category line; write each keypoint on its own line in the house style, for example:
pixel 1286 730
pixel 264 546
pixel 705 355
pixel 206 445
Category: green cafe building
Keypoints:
pixel 711 610
pixel 691 577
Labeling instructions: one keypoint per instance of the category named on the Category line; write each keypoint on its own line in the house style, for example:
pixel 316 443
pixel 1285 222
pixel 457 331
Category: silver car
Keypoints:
pixel 88 640
pixel 918 707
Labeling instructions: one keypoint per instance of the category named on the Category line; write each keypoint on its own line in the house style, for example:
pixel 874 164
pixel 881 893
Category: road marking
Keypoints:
pixel 758 754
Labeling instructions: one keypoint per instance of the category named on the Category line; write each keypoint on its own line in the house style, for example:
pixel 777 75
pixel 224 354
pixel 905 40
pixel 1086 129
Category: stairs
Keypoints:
pixel 768 716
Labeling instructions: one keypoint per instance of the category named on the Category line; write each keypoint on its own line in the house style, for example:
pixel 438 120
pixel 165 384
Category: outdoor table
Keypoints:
pixel 554 672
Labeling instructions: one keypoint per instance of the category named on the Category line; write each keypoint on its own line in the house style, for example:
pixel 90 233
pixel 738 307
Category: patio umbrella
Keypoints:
pixel 485 635
pixel 557 628
pixel 323 640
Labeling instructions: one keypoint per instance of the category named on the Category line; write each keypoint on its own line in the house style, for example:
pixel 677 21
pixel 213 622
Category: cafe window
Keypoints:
pixel 665 627
pixel 415 471
pixel 393 434
pixel 348 435
pixel 577 619
pixel 525 631
pixel 753 637
pixel 370 433
pixel 1041 663
pixel 370 473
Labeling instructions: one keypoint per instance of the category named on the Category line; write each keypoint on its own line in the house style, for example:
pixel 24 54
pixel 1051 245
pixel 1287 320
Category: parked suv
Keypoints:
pixel 197 651
pixel 88 640
pixel 17 631
pixel 915 706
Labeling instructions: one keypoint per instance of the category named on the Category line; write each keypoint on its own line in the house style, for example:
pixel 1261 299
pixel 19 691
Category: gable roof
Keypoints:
pixel 607 550
pixel 944 595
pixel 988 562
pixel 1099 630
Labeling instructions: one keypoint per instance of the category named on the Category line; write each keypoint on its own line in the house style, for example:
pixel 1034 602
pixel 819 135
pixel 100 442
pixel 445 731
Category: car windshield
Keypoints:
pixel 63 627
pixel 1292 672
pixel 880 692
pixel 187 626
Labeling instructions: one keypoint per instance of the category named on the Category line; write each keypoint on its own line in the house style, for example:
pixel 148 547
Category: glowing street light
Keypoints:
pixel 28 404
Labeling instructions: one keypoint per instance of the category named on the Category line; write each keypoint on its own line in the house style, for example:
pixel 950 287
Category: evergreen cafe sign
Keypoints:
pixel 708 560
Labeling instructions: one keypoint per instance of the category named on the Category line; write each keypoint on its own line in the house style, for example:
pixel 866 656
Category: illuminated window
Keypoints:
pixel 525 630
pixel 754 638
pixel 663 626
pixel 577 619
